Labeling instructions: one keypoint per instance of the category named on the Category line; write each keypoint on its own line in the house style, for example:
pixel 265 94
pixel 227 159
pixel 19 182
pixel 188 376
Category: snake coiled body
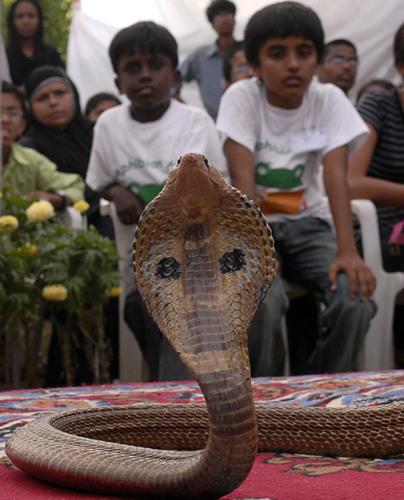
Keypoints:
pixel 204 258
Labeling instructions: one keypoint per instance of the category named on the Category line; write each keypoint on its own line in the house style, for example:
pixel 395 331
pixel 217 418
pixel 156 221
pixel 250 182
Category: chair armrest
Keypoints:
pixel 105 207
pixel 73 218
pixel 365 211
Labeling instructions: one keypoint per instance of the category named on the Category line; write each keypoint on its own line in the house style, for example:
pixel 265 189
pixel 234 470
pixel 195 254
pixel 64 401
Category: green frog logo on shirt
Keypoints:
pixel 279 178
pixel 146 192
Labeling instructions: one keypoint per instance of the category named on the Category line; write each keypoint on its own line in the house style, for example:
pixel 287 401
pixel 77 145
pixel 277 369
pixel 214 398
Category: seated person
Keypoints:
pixel 235 65
pixel 376 171
pixel 136 144
pixel 98 103
pixel 339 65
pixel 25 170
pixel 59 131
pixel 289 127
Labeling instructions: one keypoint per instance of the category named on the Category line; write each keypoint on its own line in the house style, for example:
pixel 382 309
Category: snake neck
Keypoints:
pixel 221 368
pixel 232 443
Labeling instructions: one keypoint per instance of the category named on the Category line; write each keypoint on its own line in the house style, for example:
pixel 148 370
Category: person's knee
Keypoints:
pixel 276 300
pixel 345 313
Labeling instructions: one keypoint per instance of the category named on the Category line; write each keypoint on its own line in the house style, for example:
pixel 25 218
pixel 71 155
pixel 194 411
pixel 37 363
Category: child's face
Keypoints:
pixel 146 79
pixel 286 67
pixel 102 106
pixel 12 119
pixel 26 19
pixel 240 69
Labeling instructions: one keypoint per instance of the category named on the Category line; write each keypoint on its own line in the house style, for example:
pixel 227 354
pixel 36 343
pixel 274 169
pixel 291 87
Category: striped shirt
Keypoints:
pixel 383 110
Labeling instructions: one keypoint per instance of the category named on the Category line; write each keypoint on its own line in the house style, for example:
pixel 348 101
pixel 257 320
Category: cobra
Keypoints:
pixel 204 258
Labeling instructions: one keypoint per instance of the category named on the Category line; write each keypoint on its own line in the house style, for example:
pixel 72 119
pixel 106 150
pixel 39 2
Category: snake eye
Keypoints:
pixel 232 261
pixel 168 267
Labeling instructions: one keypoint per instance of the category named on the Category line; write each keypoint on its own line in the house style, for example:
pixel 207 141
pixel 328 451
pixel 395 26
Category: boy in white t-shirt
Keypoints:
pixel 136 144
pixel 278 129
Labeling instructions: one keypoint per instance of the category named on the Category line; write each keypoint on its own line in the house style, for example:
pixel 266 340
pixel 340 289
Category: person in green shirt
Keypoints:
pixel 25 170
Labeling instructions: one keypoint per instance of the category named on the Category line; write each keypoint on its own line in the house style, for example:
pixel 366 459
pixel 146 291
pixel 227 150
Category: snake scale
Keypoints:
pixel 204 258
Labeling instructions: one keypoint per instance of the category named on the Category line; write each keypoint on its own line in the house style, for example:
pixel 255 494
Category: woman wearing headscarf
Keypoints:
pixel 26 49
pixel 59 131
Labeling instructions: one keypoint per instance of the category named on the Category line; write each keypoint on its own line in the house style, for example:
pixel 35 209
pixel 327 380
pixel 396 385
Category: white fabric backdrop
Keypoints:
pixel 370 24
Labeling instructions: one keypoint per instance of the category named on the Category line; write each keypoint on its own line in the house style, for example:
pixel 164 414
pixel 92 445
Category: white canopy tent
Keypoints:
pixel 370 24
pixel 96 21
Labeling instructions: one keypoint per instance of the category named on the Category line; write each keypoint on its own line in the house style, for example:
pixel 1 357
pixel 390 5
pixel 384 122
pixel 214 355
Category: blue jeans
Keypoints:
pixel 306 249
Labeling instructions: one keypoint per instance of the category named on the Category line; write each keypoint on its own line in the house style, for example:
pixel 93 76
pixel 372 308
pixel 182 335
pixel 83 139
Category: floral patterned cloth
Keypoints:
pixel 275 476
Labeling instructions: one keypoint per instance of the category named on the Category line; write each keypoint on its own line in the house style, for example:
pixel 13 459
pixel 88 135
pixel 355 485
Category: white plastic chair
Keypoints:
pixel 131 365
pixel 73 218
pixel 378 352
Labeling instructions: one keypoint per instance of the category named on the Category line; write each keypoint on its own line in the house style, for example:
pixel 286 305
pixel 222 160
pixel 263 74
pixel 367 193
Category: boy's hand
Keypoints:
pixel 361 278
pixel 128 206
pixel 57 200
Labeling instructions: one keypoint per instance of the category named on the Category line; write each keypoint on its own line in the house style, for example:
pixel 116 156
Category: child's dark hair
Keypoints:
pixel 147 37
pixel 282 20
pixel 380 82
pixel 398 46
pixel 13 38
pixel 218 6
pixel 227 60
pixel 10 88
pixel 97 98
pixel 337 42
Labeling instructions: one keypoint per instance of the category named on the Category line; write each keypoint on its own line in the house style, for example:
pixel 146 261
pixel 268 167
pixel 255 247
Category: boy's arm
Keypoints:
pixel 204 138
pixel 100 178
pixel 348 260
pixel 240 161
pixel 128 206
pixel 381 191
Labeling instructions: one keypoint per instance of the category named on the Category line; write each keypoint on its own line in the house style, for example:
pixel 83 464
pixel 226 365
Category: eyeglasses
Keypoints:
pixel 12 113
pixel 352 61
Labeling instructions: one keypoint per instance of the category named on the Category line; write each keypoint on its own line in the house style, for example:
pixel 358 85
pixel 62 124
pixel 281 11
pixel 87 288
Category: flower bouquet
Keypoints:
pixel 53 281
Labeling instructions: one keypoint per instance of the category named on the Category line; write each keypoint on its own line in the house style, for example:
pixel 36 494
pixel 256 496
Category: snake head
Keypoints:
pixel 196 185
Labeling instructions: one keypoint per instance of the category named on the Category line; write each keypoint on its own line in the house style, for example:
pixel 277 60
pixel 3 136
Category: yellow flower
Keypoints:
pixel 8 222
pixel 115 291
pixel 81 206
pixel 40 210
pixel 1 195
pixel 55 293
pixel 30 250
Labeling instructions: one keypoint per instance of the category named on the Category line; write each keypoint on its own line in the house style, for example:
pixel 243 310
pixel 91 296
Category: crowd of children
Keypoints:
pixel 283 120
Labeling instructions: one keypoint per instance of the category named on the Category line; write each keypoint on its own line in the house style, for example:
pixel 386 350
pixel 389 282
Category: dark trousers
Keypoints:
pixel 306 248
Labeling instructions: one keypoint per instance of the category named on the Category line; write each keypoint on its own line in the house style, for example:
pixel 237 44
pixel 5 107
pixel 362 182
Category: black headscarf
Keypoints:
pixel 69 147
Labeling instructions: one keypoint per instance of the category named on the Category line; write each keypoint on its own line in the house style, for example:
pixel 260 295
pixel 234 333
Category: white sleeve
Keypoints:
pixel 203 138
pixel 345 125
pixel 99 174
pixel 237 114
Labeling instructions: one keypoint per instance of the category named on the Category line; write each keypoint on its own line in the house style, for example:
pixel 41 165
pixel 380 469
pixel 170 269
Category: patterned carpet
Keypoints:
pixel 275 476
